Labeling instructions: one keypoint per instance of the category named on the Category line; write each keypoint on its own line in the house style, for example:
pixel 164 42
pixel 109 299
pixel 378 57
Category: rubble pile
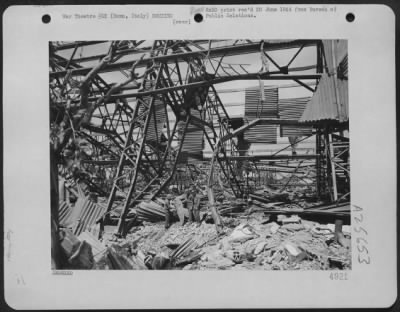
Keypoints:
pixel 252 242
pixel 271 230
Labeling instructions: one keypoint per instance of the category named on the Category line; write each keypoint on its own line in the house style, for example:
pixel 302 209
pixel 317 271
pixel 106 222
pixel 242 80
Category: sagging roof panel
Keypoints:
pixel 324 103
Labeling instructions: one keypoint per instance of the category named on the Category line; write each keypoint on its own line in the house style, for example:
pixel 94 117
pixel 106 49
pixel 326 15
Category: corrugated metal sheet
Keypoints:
pixel 82 215
pixel 64 213
pixel 323 104
pixel 293 109
pixel 158 116
pixel 295 131
pixel 193 142
pixel 255 108
pixel 156 126
pixel 90 212
pixel 262 134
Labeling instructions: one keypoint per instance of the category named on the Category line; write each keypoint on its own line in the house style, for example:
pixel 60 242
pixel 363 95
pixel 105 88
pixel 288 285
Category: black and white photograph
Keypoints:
pixel 200 155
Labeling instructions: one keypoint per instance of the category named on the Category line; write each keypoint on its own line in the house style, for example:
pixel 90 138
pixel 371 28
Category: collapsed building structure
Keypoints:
pixel 130 122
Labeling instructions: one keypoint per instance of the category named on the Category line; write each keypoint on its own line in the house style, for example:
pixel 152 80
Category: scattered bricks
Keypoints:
pixel 82 258
pixel 160 261
pixel 280 218
pixel 303 237
pixel 307 226
pixel 277 256
pixel 242 233
pixel 69 242
pixel 294 253
pixel 320 230
pixel 329 226
pixel 293 226
pixel 271 245
pixel 204 258
pixel 97 247
pixel 292 219
pixel 259 261
pixel 274 228
pixel 260 248
pixel 216 261
pixel 346 229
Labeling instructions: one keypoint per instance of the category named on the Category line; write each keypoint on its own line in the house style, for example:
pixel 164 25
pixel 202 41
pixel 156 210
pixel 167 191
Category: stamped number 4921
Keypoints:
pixel 338 276
pixel 361 236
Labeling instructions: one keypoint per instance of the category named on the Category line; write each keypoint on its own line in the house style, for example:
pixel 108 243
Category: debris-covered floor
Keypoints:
pixel 256 235
pixel 250 242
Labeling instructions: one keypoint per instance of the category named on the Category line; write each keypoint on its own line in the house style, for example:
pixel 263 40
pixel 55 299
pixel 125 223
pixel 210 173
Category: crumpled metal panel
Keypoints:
pixel 89 213
pixel 323 104
pixel 81 216
pixel 64 213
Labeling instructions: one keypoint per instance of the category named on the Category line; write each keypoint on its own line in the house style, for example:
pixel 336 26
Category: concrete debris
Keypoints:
pixel 98 248
pixel 253 244
pixel 77 254
pixel 293 226
pixel 292 219
pixel 274 227
pixel 265 232
pixel 242 233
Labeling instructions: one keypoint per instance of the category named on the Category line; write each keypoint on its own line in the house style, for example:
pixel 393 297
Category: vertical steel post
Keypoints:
pixel 333 169
pixel 121 222
pixel 338 102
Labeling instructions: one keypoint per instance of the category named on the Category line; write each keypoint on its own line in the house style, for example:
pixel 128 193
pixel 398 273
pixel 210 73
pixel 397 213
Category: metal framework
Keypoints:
pixel 129 133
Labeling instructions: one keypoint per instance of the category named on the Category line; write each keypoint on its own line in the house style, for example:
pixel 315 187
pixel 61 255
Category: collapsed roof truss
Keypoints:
pixel 130 129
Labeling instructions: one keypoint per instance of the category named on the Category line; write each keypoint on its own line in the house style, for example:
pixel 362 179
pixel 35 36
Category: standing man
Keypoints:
pixel 167 207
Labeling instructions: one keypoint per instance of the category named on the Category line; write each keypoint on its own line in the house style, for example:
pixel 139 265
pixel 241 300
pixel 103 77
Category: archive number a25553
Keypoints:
pixel 360 235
